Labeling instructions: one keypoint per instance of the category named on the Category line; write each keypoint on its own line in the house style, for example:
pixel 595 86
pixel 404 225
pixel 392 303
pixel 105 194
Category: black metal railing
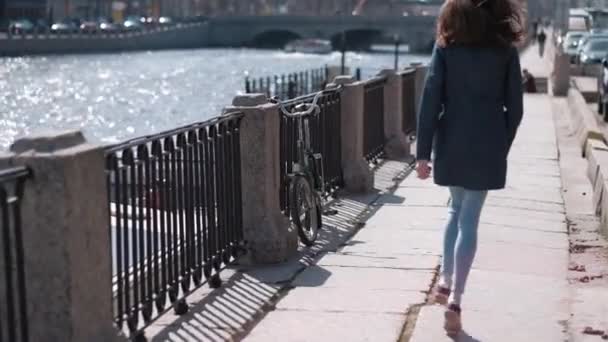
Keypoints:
pixel 373 119
pixel 408 98
pixel 289 86
pixel 176 215
pixel 326 137
pixel 13 310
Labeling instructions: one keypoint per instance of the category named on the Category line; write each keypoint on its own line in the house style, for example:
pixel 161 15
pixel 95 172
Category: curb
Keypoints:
pixel 597 171
pixel 583 120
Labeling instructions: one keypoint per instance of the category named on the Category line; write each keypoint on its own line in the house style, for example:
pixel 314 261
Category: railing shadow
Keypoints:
pixel 250 292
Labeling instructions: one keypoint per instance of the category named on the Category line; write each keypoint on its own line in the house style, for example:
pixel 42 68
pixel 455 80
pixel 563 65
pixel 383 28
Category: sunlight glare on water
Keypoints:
pixel 113 97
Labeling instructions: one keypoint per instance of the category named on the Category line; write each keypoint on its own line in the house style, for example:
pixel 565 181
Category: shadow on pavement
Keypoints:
pixel 250 292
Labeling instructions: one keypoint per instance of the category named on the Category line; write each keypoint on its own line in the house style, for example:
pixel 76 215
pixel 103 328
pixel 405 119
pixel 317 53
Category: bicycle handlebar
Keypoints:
pixel 303 109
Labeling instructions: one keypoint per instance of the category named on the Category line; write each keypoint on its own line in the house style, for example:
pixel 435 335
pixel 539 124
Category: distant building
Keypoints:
pixel 31 9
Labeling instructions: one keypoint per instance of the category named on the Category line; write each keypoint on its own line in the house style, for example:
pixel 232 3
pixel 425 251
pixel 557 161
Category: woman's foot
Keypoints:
pixel 453 322
pixel 442 294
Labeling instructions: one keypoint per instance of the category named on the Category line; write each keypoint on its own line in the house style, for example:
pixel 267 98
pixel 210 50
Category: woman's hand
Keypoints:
pixel 423 169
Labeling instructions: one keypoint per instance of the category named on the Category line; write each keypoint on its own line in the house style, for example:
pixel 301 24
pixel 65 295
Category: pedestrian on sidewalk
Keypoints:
pixel 542 37
pixel 471 108
pixel 529 82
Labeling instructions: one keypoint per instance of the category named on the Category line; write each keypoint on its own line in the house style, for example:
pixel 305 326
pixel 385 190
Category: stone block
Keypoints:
pixel 334 71
pixel 358 177
pixel 269 236
pixel 597 170
pixel 421 71
pixel 249 100
pixel 560 76
pixel 397 143
pixel 66 239
pixel 584 123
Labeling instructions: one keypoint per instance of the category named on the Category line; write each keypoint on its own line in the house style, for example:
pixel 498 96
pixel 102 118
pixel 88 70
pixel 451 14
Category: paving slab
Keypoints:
pixel 350 300
pixel 305 326
pixel 364 278
pixel 503 306
pixel 517 202
pixel 403 260
pixel 532 238
pixel 398 240
pixel 547 196
pixel 522 259
pixel 507 220
pixel 514 215
pixel 483 326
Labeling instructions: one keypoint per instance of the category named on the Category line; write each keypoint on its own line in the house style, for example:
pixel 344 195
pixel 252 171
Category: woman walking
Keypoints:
pixel 470 111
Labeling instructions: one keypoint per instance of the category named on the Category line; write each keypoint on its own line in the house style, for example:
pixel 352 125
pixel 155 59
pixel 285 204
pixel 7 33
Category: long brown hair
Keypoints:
pixel 480 23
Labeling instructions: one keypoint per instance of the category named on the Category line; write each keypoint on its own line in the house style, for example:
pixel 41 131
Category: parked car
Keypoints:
pixel 90 27
pixel 149 21
pixel 602 86
pixel 64 27
pixel 165 21
pixel 570 44
pixel 21 26
pixel 132 24
pixel 594 51
pixel 109 27
pixel 585 40
pixel 42 25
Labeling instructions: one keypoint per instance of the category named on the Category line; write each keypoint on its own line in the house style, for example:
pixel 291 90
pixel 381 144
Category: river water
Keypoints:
pixel 113 97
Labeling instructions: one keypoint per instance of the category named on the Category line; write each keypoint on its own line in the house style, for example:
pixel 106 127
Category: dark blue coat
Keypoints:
pixel 470 110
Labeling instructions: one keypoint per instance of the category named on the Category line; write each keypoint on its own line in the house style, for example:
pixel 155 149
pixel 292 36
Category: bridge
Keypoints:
pixel 107 243
pixel 360 31
pixel 236 31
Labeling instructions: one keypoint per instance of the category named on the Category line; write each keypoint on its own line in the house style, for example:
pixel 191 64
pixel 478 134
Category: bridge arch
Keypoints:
pixel 276 38
pixel 357 39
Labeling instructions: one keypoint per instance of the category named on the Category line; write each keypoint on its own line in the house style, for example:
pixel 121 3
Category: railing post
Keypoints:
pixel 397 145
pixel 357 175
pixel 66 239
pixel 560 75
pixel 268 234
pixel 247 85
pixel 421 71
pixel 334 71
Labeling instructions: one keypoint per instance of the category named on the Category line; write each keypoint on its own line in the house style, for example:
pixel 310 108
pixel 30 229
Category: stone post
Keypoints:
pixel 269 235
pixel 357 175
pixel 334 71
pixel 397 145
pixel 66 239
pixel 421 71
pixel 560 75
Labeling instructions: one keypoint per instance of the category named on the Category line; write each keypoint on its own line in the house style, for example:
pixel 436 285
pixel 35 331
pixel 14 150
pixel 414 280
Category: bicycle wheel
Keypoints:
pixel 304 209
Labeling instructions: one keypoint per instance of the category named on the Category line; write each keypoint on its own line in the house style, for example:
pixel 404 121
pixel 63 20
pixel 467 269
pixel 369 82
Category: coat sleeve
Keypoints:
pixel 430 105
pixel 513 97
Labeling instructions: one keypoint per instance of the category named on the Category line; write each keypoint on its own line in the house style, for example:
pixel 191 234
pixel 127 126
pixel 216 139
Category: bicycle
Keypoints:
pixel 306 182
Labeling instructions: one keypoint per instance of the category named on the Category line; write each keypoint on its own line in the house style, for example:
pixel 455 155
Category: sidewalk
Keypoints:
pixel 518 288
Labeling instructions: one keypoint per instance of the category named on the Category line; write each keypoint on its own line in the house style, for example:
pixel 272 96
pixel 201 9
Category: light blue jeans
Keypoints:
pixel 460 240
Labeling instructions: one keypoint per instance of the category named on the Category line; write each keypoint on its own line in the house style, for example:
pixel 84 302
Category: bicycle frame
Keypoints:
pixel 306 155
